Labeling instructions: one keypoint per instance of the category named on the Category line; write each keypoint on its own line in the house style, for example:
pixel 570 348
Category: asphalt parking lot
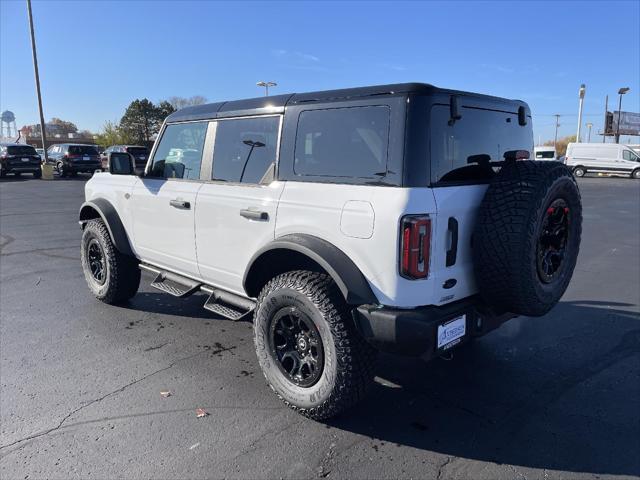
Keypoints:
pixel 553 397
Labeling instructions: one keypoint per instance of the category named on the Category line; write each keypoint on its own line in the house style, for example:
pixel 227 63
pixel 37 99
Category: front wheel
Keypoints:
pixel 579 171
pixel 61 170
pixel 111 276
pixel 307 346
pixel 636 173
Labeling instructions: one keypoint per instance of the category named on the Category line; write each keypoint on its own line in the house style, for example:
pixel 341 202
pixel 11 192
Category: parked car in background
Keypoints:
pixel 40 152
pixel 585 158
pixel 18 158
pixel 74 158
pixel 545 152
pixel 139 152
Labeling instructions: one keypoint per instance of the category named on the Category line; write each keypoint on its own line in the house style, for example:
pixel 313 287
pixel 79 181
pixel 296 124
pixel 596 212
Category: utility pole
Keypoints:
pixel 606 110
pixel 555 140
pixel 43 134
pixel 581 95
pixel 589 125
pixel 266 86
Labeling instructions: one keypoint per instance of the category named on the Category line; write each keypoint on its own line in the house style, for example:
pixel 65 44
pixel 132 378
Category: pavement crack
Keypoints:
pixel 97 400
pixel 443 465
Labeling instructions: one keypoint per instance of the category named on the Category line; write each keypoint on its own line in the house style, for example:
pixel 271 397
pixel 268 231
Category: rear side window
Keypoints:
pixel 245 149
pixel 459 151
pixel 179 153
pixel 21 150
pixel 545 154
pixel 343 142
pixel 82 150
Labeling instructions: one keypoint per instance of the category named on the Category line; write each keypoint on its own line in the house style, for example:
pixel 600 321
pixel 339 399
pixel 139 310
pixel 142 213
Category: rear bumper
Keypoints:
pixel 414 331
pixel 84 167
pixel 21 168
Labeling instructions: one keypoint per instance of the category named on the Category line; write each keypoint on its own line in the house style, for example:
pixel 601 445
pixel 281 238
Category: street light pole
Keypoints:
pixel 581 94
pixel 589 125
pixel 266 86
pixel 606 111
pixel 43 134
pixel 621 92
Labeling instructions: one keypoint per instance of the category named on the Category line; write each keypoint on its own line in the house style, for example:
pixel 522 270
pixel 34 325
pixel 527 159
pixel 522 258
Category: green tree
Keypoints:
pixel 141 121
pixel 561 144
pixel 166 109
pixel 112 134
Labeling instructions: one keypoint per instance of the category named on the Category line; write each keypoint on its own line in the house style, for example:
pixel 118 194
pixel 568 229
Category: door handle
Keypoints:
pixel 452 253
pixel 254 215
pixel 182 204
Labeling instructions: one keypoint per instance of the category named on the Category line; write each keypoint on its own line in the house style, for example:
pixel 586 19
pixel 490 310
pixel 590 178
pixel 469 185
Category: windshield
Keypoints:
pixel 82 150
pixel 21 150
pixel 545 154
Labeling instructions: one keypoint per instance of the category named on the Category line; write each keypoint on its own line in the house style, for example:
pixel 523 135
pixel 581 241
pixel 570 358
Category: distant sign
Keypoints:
pixel 629 123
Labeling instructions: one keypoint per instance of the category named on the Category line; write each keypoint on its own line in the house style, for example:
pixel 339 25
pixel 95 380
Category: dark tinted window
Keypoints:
pixel 245 149
pixel 138 150
pixel 21 150
pixel 545 154
pixel 343 142
pixel 82 150
pixel 457 150
pixel 179 153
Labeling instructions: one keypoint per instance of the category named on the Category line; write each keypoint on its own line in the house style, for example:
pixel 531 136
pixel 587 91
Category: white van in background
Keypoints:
pixel 585 158
pixel 544 152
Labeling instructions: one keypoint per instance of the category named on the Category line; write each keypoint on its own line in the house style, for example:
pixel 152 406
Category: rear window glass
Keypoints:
pixel 456 149
pixel 21 150
pixel 545 155
pixel 343 142
pixel 82 150
pixel 138 150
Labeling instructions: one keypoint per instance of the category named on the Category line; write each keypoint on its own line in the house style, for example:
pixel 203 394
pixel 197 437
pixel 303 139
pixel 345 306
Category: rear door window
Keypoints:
pixel 343 142
pixel 459 151
pixel 245 149
pixel 179 153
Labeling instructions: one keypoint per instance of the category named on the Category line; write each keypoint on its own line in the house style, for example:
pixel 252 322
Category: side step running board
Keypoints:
pixel 227 304
pixel 220 302
pixel 173 284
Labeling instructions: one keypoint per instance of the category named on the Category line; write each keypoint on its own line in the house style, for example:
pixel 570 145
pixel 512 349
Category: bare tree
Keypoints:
pixel 180 102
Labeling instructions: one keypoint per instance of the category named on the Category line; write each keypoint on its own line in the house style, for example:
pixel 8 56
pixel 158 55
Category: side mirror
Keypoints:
pixel 121 164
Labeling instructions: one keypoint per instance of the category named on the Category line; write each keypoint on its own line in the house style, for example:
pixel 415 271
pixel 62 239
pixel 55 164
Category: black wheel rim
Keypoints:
pixel 97 264
pixel 552 242
pixel 296 346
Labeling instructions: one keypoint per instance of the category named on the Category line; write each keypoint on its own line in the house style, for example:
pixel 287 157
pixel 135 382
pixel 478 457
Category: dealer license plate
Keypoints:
pixel 451 333
pixel 26 159
pixel 86 158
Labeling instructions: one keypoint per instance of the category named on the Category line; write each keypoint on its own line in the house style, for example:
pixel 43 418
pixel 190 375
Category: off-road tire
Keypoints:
pixel 122 272
pixel 507 232
pixel 348 360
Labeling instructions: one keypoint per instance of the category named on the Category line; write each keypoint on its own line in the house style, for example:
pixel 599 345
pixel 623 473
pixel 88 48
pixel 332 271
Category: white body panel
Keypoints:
pixel 225 240
pixel 163 234
pixel 602 157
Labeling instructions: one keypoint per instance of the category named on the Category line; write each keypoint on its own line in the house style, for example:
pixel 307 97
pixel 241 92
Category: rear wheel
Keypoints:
pixel 307 346
pixel 579 171
pixel 110 275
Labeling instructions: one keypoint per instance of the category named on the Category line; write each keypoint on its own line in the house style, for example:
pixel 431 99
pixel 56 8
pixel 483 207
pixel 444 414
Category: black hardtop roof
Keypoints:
pixel 277 102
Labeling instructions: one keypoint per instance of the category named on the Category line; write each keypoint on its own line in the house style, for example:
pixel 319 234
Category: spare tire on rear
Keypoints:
pixel 527 237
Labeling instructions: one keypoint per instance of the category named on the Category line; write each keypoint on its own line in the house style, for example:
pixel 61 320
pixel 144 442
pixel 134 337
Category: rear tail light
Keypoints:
pixel 415 242
pixel 71 156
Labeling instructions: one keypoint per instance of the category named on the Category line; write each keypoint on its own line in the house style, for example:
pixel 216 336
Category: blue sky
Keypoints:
pixel 97 56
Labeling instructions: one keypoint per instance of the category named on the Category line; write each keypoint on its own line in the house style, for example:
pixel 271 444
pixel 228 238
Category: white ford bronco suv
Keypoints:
pixel 403 218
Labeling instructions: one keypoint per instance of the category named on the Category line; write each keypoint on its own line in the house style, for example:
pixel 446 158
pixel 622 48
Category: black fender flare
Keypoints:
pixel 111 219
pixel 348 277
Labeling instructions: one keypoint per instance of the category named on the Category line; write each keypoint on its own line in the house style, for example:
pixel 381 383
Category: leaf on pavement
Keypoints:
pixel 201 413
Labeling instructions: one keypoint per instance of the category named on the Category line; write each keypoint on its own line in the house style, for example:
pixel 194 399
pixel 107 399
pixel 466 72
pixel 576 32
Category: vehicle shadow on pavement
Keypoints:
pixel 163 303
pixel 566 398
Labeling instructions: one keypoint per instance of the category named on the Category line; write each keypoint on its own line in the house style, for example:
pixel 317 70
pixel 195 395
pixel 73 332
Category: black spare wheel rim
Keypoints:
pixel 96 259
pixel 552 241
pixel 296 346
